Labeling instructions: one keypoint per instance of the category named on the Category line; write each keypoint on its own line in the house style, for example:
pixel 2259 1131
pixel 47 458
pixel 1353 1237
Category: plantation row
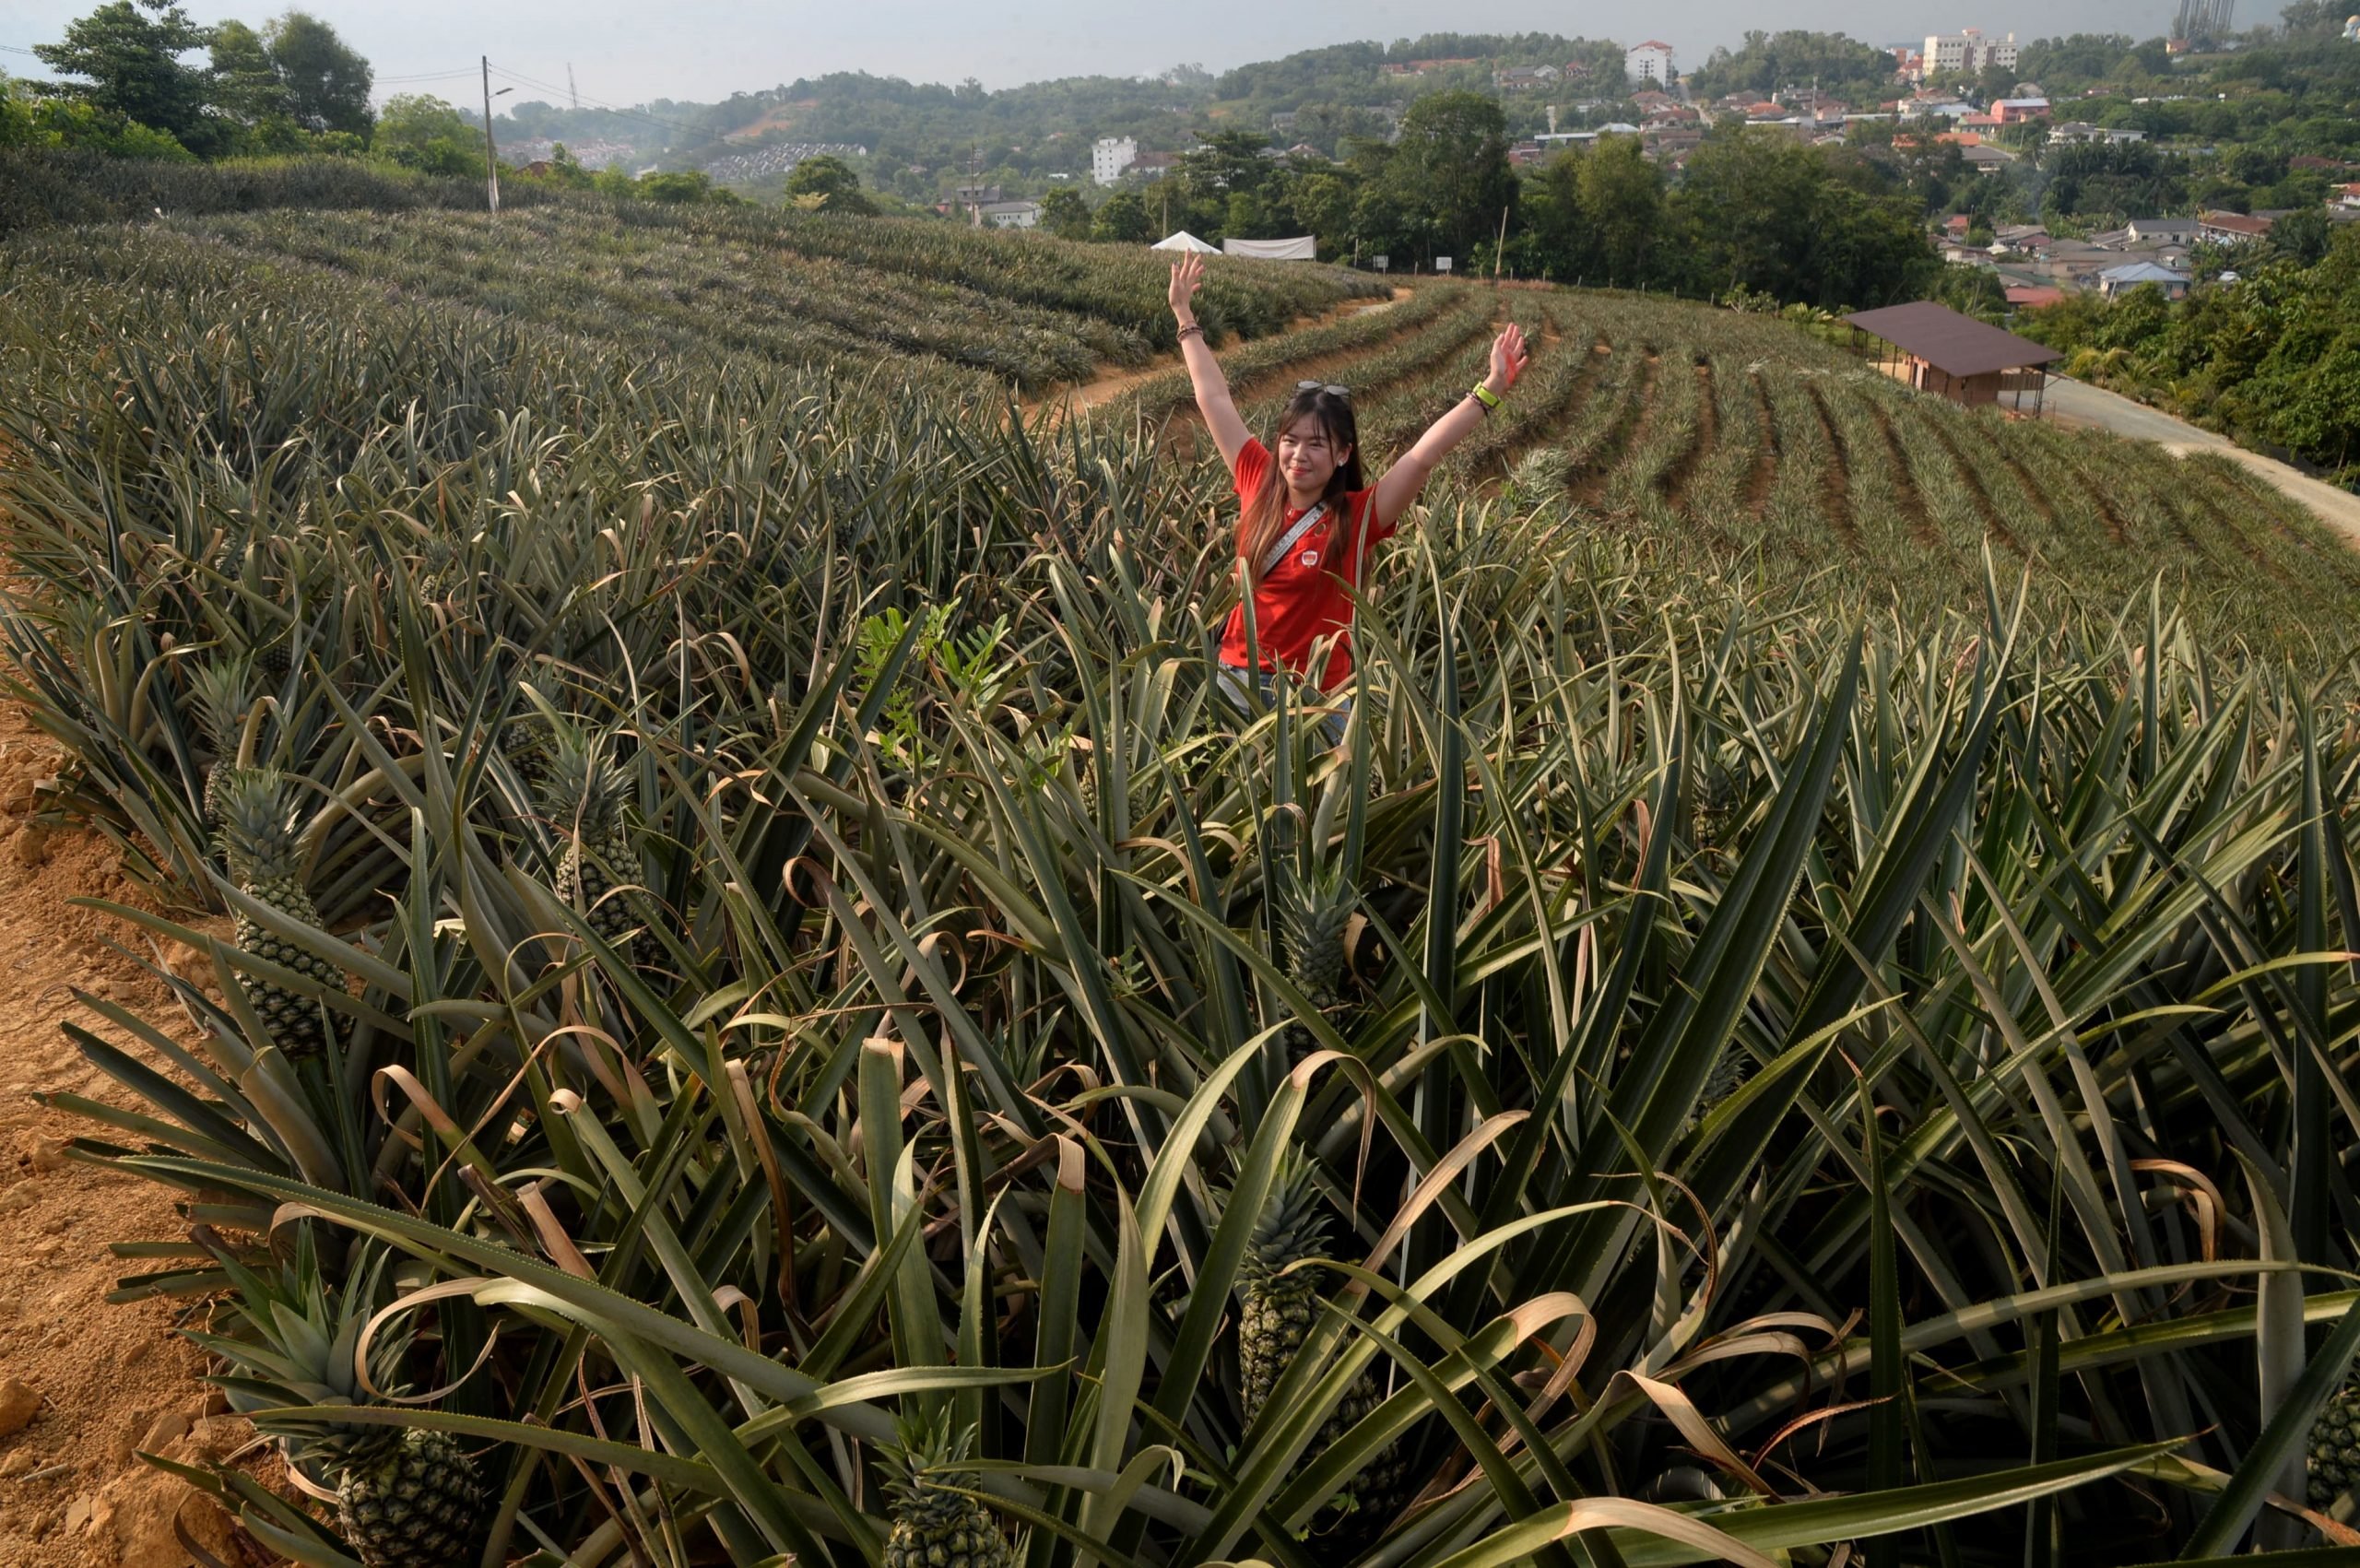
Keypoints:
pixel 1029 312
pixel 1707 430
pixel 762 951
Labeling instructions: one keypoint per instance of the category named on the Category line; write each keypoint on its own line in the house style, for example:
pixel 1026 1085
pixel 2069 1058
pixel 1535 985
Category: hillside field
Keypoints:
pixel 710 898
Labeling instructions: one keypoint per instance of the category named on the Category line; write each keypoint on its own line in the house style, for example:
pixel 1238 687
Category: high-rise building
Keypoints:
pixel 1967 51
pixel 1649 63
pixel 1109 156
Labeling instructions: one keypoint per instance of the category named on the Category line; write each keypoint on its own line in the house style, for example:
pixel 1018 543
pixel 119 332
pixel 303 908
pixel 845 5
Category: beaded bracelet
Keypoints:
pixel 1185 333
pixel 1485 399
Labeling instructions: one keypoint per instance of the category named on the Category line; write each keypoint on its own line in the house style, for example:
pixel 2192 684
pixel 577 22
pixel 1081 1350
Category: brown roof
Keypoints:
pixel 1953 344
pixel 2236 223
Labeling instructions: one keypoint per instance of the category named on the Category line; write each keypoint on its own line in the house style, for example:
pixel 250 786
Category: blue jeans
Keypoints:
pixel 1233 686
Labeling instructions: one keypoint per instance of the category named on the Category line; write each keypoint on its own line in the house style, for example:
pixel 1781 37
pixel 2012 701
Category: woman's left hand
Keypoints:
pixel 1509 357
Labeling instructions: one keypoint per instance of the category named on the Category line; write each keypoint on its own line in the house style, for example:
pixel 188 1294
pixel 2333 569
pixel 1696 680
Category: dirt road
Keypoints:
pixel 2074 403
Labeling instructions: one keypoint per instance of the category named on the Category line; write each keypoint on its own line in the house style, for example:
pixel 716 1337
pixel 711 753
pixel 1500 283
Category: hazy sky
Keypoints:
pixel 704 49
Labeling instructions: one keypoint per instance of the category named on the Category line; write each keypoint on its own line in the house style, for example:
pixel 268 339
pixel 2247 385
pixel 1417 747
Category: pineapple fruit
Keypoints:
pixel 1276 1312
pixel 1311 931
pixel 261 839
pixel 2335 1446
pixel 405 1498
pixel 584 796
pixel 933 1525
pixel 222 688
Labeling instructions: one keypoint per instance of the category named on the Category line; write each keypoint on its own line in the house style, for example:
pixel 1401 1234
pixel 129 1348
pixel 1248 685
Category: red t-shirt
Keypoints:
pixel 1303 598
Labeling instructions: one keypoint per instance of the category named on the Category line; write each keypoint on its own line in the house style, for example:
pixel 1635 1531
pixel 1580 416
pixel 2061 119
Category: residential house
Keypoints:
pixel 1154 165
pixel 1956 226
pixel 2020 110
pixel 1987 159
pixel 2028 239
pixel 2180 231
pixel 2115 281
pixel 1010 215
pixel 1648 101
pixel 2346 195
pixel 1523 79
pixel 2033 296
pixel 1649 61
pixel 1283 123
pixel 2081 131
pixel 2231 228
pixel 1524 154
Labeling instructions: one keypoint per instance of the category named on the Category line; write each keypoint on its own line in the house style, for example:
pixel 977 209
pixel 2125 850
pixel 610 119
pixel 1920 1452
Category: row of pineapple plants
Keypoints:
pixel 774 1011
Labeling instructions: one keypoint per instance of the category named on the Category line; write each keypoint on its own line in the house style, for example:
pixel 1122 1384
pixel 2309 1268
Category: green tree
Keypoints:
pixel 1323 208
pixel 2301 236
pixel 1451 167
pixel 421 132
pixel 828 185
pixel 1124 216
pixel 1621 205
pixel 684 187
pixel 325 81
pixel 1065 212
pixel 245 84
pixel 129 55
pixel 27 120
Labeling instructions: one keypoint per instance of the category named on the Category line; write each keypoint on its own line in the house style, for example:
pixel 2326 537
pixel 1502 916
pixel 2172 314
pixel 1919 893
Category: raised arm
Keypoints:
pixel 1204 371
pixel 1409 474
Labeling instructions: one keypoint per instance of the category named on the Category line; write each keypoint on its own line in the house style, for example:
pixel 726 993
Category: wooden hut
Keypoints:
pixel 1936 349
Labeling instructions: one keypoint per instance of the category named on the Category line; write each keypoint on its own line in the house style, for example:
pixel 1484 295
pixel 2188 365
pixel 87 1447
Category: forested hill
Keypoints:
pixel 1047 126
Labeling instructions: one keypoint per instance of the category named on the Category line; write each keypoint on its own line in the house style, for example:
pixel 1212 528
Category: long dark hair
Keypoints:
pixel 1264 518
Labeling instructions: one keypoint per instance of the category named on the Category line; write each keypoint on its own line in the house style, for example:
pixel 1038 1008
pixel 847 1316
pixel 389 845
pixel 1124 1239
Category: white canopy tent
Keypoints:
pixel 1183 241
pixel 1303 248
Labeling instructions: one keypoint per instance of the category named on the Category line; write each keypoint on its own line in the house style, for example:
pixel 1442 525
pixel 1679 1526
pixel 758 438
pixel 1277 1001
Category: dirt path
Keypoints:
pixel 2076 403
pixel 109 1379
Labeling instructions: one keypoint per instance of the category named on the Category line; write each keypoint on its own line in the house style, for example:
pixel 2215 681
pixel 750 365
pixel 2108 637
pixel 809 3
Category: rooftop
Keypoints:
pixel 1954 344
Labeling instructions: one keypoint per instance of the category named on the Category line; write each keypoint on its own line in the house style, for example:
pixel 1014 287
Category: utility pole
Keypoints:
pixel 491 155
pixel 571 90
pixel 1499 250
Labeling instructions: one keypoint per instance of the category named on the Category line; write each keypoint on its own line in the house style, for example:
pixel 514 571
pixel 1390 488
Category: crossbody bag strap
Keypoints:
pixel 1303 525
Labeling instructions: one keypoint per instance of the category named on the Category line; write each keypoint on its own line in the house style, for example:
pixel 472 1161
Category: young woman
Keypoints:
pixel 1307 514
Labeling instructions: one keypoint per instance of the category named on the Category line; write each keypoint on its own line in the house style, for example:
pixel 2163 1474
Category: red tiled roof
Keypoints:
pixel 2236 223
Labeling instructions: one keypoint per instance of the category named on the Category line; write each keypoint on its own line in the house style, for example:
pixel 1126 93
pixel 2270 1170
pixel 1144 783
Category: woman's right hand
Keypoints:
pixel 1187 274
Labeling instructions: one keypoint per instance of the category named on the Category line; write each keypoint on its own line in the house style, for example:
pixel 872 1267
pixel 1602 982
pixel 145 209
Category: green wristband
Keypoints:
pixel 1486 396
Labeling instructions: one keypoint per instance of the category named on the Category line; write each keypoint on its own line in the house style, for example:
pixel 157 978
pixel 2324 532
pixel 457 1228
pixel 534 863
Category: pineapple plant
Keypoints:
pixel 222 688
pixel 2335 1445
pixel 1720 792
pixel 405 1497
pixel 1311 918
pixel 1275 1313
pixel 935 1524
pixel 585 799
pixel 261 836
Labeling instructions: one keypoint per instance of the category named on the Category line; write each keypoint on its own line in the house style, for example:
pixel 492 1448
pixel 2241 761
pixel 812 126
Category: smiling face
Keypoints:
pixel 1310 451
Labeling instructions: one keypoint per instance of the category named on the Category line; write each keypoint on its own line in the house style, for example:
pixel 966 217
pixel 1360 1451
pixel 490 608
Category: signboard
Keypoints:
pixel 1441 263
pixel 1381 264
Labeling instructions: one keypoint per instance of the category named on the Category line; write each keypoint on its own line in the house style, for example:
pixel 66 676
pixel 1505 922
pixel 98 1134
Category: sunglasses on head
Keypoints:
pixel 1329 387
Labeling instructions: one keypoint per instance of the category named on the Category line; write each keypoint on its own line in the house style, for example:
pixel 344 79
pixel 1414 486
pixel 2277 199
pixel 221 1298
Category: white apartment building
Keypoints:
pixel 1649 63
pixel 1967 51
pixel 1109 156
